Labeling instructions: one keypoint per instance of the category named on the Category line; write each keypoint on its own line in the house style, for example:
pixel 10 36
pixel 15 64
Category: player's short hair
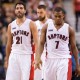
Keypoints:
pixel 58 9
pixel 21 3
pixel 42 7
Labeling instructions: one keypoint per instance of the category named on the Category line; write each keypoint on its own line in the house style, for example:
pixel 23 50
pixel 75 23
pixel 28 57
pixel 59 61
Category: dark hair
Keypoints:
pixel 21 3
pixel 58 9
pixel 41 6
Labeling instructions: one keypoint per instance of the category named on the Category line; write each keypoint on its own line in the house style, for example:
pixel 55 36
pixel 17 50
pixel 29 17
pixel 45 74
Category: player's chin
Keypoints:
pixel 58 22
pixel 19 16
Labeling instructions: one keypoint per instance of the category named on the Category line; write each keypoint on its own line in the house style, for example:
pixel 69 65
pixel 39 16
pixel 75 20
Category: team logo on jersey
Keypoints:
pixel 21 32
pixel 59 36
pixel 50 30
pixel 14 28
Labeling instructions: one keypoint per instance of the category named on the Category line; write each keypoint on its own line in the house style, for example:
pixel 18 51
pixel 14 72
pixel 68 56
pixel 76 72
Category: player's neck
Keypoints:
pixel 20 20
pixel 58 25
pixel 44 20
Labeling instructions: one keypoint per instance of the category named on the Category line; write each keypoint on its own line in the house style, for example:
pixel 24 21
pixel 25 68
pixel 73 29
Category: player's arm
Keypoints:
pixel 42 39
pixel 34 34
pixel 41 47
pixel 73 46
pixel 8 46
pixel 9 42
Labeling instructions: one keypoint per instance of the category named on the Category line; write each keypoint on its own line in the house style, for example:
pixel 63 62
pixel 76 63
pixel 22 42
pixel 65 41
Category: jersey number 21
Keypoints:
pixel 19 40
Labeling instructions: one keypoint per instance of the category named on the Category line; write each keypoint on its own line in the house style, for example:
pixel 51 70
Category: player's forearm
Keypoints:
pixel 36 49
pixel 75 53
pixel 41 48
pixel 40 51
pixel 8 51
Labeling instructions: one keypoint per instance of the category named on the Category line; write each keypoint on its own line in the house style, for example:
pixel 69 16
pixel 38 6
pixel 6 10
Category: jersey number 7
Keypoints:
pixel 57 44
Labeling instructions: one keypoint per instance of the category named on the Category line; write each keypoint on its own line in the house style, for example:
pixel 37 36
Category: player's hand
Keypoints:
pixel 77 72
pixel 38 64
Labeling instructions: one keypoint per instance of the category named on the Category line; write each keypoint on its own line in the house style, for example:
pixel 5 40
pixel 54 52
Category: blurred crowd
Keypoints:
pixel 7 15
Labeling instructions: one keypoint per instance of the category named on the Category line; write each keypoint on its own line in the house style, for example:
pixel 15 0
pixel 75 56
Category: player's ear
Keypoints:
pixel 63 15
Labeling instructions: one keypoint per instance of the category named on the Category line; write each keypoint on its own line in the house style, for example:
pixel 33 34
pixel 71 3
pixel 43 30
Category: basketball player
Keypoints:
pixel 57 37
pixel 18 48
pixel 42 20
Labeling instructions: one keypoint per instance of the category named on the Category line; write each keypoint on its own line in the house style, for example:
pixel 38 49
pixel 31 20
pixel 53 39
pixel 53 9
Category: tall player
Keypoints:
pixel 42 20
pixel 18 48
pixel 58 35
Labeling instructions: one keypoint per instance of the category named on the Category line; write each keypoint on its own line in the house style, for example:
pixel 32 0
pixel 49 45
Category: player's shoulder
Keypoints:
pixel 28 22
pixel 9 26
pixel 49 20
pixel 67 24
pixel 27 19
pixel 32 23
pixel 71 30
pixel 37 21
pixel 13 22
